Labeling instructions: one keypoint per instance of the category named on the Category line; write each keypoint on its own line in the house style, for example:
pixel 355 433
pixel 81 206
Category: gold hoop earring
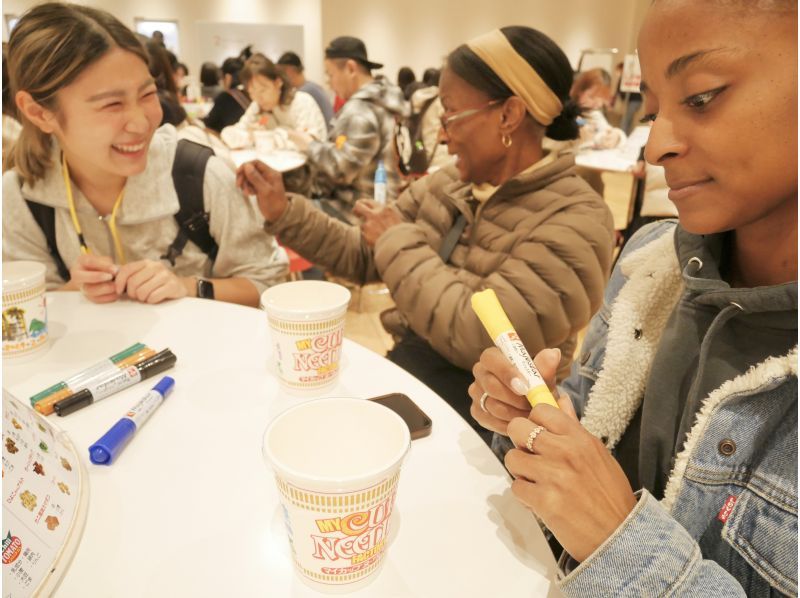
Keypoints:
pixel 506 140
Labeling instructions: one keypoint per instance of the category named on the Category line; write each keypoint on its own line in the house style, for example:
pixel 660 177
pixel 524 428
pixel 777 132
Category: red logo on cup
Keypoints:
pixel 726 509
pixel 12 547
pixel 358 537
pixel 319 353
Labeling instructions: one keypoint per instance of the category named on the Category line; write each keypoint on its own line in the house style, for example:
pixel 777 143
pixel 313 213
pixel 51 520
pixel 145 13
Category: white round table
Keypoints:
pixel 190 509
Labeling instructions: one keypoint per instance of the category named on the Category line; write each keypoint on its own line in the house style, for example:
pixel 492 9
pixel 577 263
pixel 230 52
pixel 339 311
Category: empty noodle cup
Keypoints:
pixel 24 309
pixel 336 463
pixel 306 322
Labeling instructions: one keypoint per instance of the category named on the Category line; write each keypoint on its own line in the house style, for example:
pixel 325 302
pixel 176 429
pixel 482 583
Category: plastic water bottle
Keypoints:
pixel 380 183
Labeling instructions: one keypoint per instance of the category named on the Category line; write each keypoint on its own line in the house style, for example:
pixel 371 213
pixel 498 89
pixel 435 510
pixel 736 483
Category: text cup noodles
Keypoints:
pixel 337 464
pixel 306 321
pixel 24 308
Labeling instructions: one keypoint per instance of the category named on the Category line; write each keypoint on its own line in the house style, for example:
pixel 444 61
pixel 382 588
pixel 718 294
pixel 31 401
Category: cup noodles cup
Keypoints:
pixel 24 309
pixel 306 321
pixel 336 464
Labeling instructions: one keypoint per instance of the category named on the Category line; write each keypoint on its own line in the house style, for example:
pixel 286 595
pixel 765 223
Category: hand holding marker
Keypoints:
pixel 494 319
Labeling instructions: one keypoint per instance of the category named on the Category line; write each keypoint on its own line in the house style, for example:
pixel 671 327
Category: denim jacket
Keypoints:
pixel 727 525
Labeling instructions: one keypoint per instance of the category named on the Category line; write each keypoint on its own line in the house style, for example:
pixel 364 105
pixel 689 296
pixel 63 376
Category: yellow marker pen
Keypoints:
pixel 494 319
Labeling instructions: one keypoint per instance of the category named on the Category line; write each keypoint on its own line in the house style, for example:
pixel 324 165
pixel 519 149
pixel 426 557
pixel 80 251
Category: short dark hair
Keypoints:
pixel 233 66
pixel 258 64
pixel 546 58
pixel 209 74
pixel 431 76
pixel 291 59
pixel 405 76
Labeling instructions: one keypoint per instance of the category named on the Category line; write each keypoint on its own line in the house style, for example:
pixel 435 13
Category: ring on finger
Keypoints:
pixel 532 436
pixel 484 396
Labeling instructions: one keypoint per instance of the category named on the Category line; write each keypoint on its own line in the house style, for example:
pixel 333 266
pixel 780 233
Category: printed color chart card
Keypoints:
pixel 41 496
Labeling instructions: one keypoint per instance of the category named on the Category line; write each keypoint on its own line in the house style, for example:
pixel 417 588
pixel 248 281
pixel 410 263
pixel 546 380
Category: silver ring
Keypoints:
pixel 484 396
pixel 532 436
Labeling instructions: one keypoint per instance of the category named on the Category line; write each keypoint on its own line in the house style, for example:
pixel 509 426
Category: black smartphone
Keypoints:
pixel 418 422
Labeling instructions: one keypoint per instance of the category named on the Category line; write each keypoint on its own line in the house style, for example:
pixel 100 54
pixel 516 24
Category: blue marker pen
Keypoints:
pixel 105 450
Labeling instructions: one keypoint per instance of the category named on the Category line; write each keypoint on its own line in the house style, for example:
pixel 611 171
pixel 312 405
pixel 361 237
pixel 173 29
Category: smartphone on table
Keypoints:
pixel 417 420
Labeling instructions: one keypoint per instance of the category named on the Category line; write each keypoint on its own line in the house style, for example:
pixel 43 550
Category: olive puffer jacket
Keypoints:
pixel 542 241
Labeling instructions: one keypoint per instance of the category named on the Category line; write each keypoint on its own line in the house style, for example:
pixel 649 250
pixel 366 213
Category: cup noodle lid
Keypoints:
pixel 305 300
pixel 312 444
pixel 22 275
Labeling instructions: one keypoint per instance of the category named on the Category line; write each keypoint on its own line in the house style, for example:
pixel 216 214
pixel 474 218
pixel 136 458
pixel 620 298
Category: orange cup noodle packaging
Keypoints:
pixel 337 463
pixel 306 321
pixel 338 539
pixel 307 359
pixel 491 314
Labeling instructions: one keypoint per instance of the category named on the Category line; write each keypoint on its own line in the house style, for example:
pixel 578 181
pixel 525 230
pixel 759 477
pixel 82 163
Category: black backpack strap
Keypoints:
pixel 450 240
pixel 188 173
pixel 45 217
pixel 240 98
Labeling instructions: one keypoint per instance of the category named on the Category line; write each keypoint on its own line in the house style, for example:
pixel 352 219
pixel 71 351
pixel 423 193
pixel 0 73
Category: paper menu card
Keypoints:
pixel 45 498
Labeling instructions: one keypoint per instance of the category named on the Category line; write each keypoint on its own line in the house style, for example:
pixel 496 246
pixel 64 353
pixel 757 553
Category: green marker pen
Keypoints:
pixel 104 366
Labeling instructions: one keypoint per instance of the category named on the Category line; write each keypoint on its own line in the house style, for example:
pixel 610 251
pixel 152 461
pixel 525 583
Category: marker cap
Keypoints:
pixel 164 386
pixel 157 364
pixel 105 450
pixel 77 401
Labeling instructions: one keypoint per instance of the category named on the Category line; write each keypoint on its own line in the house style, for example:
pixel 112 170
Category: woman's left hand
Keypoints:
pixel 377 219
pixel 570 479
pixel 149 281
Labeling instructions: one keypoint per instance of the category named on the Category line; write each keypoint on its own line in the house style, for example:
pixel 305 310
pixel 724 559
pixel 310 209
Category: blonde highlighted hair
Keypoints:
pixel 51 45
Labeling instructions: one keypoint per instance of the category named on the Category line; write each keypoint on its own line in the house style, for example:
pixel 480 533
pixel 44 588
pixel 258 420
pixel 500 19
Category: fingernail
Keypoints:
pixel 519 386
pixel 555 355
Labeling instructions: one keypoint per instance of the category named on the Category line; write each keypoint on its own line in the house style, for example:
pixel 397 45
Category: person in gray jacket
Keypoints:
pixel 361 133
pixel 686 384
pixel 92 156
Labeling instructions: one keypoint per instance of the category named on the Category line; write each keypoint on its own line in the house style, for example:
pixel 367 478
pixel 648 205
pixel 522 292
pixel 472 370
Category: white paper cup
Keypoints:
pixel 306 321
pixel 24 309
pixel 336 464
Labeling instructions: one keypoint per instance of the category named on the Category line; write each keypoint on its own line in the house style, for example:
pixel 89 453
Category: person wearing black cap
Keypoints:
pixel 293 69
pixel 361 132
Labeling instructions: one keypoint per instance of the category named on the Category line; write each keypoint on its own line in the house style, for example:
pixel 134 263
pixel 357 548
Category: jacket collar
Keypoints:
pixel 459 192
pixel 638 316
pixel 148 196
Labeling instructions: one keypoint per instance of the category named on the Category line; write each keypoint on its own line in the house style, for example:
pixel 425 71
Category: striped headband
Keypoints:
pixel 500 56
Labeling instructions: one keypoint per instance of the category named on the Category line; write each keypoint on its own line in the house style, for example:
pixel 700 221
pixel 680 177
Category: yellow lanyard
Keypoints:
pixel 112 225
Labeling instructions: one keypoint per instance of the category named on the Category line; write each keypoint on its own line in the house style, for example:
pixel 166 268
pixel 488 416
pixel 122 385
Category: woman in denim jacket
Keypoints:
pixel 686 384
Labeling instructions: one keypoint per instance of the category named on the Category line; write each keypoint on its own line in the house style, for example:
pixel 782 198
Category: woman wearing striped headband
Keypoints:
pixel 508 216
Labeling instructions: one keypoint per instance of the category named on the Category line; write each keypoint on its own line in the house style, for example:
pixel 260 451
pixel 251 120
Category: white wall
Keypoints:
pixel 280 12
pixel 419 33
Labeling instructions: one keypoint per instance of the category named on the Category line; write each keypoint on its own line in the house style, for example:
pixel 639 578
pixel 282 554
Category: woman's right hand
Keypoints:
pixel 506 388
pixel 93 275
pixel 256 178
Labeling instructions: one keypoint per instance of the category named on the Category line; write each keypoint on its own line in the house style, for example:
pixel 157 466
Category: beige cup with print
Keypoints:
pixel 337 463
pixel 306 323
pixel 24 309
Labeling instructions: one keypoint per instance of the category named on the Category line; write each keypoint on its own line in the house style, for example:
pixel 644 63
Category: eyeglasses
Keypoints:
pixel 446 121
